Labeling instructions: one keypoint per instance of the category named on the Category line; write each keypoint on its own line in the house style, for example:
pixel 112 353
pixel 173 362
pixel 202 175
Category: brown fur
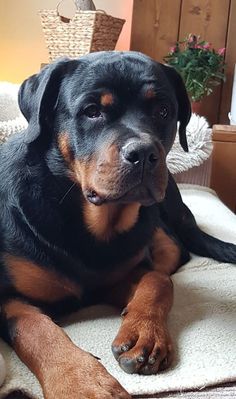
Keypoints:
pixel 165 253
pixel 99 172
pixel 149 296
pixel 55 356
pixel 38 283
pixel 107 99
pixel 144 330
pixel 83 172
pixel 64 147
pixel 103 173
pixel 108 220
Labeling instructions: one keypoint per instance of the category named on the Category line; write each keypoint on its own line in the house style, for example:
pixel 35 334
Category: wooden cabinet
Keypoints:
pixel 223 172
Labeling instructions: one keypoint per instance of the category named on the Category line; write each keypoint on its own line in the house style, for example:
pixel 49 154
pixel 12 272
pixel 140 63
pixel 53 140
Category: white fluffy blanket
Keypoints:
pixel 202 321
pixel 11 118
pixel 199 144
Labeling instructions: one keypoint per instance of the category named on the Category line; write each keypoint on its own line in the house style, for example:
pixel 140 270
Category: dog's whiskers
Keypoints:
pixel 67 192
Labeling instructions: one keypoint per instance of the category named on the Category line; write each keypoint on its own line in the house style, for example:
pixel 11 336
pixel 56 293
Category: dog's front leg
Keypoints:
pixel 63 370
pixel 143 344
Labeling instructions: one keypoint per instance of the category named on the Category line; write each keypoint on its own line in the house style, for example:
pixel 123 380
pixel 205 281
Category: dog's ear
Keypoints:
pixel 38 98
pixel 184 106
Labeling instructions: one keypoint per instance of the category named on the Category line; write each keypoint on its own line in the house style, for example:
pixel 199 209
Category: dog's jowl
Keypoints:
pixel 90 213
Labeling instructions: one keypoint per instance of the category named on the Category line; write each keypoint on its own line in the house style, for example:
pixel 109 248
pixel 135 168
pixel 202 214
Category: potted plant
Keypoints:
pixel 201 66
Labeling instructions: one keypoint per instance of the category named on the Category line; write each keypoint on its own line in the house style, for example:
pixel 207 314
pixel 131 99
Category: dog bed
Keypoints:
pixel 202 321
pixel 11 118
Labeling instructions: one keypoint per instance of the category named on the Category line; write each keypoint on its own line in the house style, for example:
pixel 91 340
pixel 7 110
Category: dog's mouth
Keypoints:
pixel 145 195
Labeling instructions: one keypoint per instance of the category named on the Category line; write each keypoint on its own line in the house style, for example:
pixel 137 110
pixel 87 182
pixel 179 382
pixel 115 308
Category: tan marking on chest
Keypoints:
pixel 36 282
pixel 107 220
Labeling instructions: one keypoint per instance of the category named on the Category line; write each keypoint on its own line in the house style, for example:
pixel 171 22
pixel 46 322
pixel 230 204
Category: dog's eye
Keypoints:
pixel 163 111
pixel 92 111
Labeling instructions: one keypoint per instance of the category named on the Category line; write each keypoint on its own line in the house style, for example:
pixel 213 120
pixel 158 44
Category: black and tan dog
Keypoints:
pixel 89 213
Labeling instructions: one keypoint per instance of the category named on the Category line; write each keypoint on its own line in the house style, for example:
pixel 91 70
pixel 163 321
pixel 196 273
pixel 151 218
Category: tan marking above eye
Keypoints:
pixel 107 99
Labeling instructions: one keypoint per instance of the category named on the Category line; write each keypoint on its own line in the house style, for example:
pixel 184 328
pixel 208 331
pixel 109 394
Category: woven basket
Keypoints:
pixel 86 32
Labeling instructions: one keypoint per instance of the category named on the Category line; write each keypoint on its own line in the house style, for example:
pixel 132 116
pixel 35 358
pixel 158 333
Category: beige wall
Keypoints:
pixel 22 46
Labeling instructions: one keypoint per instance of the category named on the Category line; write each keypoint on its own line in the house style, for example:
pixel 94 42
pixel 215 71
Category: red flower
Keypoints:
pixel 207 46
pixel 172 49
pixel 192 38
pixel 221 51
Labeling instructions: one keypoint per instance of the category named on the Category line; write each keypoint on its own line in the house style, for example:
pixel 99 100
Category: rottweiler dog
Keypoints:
pixel 89 213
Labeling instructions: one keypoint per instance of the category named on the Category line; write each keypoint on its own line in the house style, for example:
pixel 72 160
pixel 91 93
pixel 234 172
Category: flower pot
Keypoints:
pixel 196 107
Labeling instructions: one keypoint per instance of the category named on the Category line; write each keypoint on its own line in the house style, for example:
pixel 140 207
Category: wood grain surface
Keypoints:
pixel 158 24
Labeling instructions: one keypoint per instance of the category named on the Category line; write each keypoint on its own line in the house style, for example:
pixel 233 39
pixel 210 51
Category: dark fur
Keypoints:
pixel 41 215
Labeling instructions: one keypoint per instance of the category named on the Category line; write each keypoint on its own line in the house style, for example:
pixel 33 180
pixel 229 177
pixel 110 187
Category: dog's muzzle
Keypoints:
pixel 140 155
pixel 136 171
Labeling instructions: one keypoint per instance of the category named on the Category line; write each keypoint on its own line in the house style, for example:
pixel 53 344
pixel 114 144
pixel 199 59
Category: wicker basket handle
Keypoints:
pixel 66 19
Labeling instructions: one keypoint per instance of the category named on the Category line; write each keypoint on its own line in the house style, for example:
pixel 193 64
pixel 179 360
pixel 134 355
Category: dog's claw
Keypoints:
pixel 128 365
pixel 151 360
pixel 118 350
pixel 125 348
pixel 141 359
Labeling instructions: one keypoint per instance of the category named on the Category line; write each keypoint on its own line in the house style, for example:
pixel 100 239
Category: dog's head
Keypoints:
pixel 112 118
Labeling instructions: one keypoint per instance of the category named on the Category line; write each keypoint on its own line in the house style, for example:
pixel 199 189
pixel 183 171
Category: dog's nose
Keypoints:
pixel 138 153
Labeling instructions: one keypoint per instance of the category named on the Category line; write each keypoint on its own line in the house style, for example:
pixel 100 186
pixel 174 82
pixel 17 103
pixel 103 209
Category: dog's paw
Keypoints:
pixel 85 379
pixel 143 345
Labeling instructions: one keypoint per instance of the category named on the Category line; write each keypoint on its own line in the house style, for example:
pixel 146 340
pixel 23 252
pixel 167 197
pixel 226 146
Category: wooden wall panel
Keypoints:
pixel 230 58
pixel 155 26
pixel 209 19
pixel 223 172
